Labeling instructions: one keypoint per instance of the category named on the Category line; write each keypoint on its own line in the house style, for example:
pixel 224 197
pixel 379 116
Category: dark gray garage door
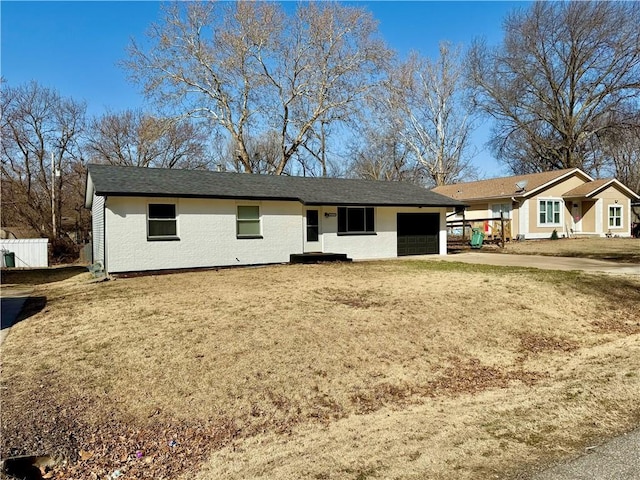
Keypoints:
pixel 418 233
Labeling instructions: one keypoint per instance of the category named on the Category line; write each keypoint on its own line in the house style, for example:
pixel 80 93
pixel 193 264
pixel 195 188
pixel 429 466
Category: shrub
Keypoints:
pixel 63 250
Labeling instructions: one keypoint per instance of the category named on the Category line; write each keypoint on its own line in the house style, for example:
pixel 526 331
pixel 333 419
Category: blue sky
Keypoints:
pixel 75 47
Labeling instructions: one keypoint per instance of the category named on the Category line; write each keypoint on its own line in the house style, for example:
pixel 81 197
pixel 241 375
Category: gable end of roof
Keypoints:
pixel 567 174
pixel 591 189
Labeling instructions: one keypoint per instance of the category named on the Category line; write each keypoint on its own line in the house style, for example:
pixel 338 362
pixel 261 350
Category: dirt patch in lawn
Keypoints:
pixel 626 250
pixel 366 370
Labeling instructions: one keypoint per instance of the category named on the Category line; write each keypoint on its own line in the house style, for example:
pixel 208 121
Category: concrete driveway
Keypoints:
pixel 537 261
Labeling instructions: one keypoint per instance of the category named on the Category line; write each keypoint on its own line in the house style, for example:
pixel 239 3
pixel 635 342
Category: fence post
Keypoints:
pixel 464 226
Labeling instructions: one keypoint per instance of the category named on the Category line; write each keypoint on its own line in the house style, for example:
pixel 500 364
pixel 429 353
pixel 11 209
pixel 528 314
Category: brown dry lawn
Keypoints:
pixel 392 369
pixel 613 249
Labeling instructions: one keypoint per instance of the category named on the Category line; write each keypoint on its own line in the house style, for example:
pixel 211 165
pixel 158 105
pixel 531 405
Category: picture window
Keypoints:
pixel 356 220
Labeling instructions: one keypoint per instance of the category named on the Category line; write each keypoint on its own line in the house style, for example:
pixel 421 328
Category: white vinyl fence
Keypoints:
pixel 28 252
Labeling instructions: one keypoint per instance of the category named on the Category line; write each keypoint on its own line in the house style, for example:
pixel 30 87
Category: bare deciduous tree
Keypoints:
pixel 432 116
pixel 252 70
pixel 135 138
pixel 377 150
pixel 263 153
pixel 384 157
pixel 563 74
pixel 40 136
pixel 621 148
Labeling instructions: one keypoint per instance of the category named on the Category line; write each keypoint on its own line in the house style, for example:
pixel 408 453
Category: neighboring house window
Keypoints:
pixel 549 212
pixel 615 216
pixel 161 221
pixel 505 208
pixel 248 221
pixel 356 220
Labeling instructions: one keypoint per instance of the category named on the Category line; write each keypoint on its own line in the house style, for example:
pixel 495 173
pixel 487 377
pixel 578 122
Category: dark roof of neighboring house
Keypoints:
pixel 505 186
pixel 160 182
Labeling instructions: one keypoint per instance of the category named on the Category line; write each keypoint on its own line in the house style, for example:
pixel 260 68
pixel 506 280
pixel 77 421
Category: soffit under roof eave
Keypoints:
pixel 378 204
pixel 279 199
pixel 583 195
pixel 195 196
pixel 499 197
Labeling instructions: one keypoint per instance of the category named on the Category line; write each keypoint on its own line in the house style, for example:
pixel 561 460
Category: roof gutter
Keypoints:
pixel 454 203
pixel 514 198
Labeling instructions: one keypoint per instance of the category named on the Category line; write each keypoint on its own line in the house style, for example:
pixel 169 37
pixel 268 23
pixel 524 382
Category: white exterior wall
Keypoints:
pixel 97 224
pixel 207 232
pixel 442 241
pixel 384 244
pixel 523 218
pixel 28 252
pixel 629 218
pixel 600 218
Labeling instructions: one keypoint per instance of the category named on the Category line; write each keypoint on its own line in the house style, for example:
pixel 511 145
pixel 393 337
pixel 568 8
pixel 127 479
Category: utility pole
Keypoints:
pixel 53 197
pixel 55 173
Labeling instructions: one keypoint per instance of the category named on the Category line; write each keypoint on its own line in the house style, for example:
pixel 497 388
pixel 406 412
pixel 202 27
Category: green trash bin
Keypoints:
pixel 9 259
pixel 477 237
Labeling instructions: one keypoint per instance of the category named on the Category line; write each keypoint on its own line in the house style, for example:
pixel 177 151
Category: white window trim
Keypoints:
pixel 547 224
pixel 609 217
pixel 163 237
pixel 249 236
pixel 306 225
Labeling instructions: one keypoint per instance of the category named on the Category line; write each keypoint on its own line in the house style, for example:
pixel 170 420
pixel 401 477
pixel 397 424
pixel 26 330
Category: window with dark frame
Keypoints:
pixel 248 221
pixel 161 221
pixel 355 220
pixel 313 226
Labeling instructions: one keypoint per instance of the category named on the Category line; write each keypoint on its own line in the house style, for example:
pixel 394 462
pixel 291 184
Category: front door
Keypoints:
pixel 312 234
pixel 576 214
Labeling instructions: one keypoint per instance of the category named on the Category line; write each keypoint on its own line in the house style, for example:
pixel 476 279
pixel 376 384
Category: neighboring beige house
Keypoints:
pixel 533 206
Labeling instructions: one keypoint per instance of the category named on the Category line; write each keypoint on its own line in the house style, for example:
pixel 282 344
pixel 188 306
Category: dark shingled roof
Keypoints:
pixel 111 180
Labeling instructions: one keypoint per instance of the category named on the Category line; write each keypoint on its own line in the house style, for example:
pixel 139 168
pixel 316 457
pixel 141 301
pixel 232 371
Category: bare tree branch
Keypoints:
pixel 251 69
pixel 428 98
pixel 565 73
pixel 41 133
pixel 135 138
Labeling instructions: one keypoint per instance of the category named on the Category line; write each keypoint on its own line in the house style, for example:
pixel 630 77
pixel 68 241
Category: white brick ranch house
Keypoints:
pixel 147 219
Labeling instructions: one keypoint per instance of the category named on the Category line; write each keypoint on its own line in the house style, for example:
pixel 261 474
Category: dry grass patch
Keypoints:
pixel 37 276
pixel 614 249
pixel 366 370
pixel 535 343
